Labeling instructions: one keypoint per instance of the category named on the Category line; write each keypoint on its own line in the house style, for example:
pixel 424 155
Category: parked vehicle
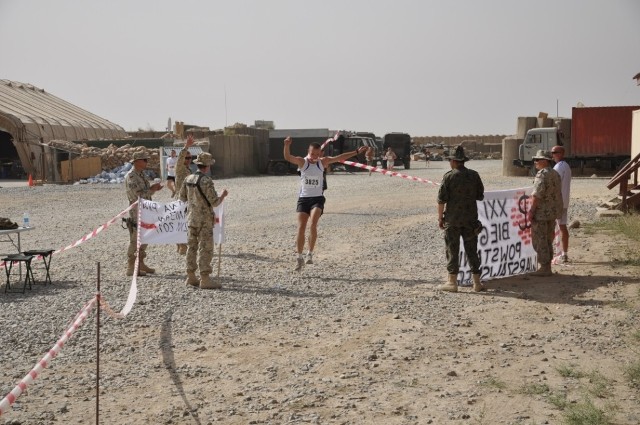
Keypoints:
pixel 376 140
pixel 401 145
pixel 302 138
pixel 600 138
pixel 352 142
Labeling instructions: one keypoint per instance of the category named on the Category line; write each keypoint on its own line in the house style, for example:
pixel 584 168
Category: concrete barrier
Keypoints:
pixel 510 147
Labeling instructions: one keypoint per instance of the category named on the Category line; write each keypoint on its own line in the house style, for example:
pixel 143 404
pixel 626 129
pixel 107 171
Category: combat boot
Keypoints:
pixel 477 285
pixel 144 268
pixel 451 285
pixel 192 279
pixel 131 265
pixel 544 270
pixel 207 283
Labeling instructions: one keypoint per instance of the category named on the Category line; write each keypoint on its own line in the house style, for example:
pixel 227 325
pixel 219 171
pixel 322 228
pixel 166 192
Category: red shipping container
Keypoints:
pixel 601 131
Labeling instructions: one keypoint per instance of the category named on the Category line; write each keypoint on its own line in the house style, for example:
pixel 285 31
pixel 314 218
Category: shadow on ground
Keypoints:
pixel 556 289
pixel 169 361
pixel 38 289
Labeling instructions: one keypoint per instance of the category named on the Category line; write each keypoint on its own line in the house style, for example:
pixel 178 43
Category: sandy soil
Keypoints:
pixel 361 337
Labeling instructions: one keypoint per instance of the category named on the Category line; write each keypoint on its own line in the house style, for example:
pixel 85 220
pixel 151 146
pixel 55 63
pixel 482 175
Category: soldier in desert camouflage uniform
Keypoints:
pixel 546 207
pixel 458 216
pixel 137 185
pixel 199 191
pixel 182 171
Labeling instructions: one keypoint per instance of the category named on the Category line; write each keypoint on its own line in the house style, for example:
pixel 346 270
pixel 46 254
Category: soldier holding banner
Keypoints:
pixel 137 185
pixel 564 170
pixel 546 207
pixel 199 191
pixel 182 171
pixel 458 217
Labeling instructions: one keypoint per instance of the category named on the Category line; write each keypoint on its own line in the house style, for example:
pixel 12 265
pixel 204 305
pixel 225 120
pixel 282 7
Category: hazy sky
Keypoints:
pixel 423 67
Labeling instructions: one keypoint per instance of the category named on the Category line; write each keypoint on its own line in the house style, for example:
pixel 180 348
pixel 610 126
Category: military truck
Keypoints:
pixel 352 142
pixel 401 145
pixel 600 138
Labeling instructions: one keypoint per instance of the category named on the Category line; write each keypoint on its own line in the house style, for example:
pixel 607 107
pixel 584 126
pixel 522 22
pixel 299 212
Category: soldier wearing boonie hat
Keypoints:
pixel 199 191
pixel 137 185
pixel 139 155
pixel 546 207
pixel 458 217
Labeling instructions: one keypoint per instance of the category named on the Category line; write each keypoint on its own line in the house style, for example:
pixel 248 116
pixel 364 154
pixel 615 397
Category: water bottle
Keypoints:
pixel 25 220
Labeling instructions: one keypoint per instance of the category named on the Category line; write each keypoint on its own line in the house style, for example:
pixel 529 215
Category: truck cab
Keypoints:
pixel 353 142
pixel 401 145
pixel 535 140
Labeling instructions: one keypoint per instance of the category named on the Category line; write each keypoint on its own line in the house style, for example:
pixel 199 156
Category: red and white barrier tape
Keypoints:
pixel 90 234
pixel 133 289
pixel 106 307
pixel 8 401
pixel 391 173
pixel 97 230
pixel 329 140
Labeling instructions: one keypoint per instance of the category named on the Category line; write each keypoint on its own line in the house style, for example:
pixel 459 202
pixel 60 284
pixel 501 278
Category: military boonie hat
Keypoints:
pixel 204 158
pixel 140 155
pixel 458 155
pixel 542 154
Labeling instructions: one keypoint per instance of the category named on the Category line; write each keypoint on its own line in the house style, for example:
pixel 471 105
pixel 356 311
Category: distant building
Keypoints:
pixel 266 125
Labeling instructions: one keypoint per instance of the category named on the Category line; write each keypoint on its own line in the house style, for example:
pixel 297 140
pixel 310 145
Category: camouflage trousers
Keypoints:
pixel 542 233
pixel 131 250
pixel 200 247
pixel 452 236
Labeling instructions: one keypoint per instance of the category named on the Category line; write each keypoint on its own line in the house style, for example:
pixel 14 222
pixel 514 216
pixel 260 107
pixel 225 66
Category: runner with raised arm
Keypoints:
pixel 311 200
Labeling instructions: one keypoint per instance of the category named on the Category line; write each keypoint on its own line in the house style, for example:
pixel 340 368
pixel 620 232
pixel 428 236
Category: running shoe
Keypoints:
pixel 300 265
pixel 309 259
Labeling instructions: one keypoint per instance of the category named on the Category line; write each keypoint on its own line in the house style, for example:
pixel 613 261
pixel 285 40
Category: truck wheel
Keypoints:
pixel 280 169
pixel 407 165
pixel 621 165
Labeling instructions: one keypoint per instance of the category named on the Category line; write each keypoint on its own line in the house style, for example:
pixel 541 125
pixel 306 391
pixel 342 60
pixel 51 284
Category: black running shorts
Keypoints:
pixel 305 205
pixel 172 178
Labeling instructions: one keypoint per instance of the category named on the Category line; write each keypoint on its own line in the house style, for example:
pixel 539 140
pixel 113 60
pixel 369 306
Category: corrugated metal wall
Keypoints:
pixel 234 155
pixel 261 139
pixel 601 131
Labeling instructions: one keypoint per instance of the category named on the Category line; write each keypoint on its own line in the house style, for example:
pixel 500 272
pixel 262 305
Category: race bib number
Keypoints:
pixel 311 182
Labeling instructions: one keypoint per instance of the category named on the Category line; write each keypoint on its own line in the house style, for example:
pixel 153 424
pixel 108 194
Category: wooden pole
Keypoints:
pixel 98 349
pixel 219 260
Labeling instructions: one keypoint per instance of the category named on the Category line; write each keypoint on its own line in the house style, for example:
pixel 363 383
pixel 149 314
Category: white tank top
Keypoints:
pixel 311 178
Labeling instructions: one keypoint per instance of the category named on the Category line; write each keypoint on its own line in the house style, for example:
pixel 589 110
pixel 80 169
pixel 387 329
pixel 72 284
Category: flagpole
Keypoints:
pixel 219 259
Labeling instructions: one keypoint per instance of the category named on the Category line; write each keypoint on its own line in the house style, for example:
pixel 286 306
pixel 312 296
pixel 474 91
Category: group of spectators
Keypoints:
pixel 458 194
pixel 198 190
pixel 458 213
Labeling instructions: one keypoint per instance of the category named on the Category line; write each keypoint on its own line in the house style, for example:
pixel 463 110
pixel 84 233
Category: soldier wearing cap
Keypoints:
pixel 199 191
pixel 137 185
pixel 546 208
pixel 182 166
pixel 458 217
pixel 564 170
pixel 182 171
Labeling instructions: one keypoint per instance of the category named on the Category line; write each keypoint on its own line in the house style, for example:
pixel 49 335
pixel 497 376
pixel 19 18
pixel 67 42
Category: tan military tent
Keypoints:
pixel 30 117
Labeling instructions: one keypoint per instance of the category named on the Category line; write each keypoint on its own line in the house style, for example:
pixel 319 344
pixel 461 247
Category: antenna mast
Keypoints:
pixel 225 106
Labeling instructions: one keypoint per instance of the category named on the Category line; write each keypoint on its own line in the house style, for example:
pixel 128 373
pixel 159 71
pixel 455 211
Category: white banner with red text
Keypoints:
pixel 504 245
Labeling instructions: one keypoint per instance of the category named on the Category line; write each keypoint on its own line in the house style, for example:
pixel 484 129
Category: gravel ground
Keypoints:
pixel 359 337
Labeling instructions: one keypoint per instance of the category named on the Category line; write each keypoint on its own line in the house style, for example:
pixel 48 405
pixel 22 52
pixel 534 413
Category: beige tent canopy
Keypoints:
pixel 30 117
